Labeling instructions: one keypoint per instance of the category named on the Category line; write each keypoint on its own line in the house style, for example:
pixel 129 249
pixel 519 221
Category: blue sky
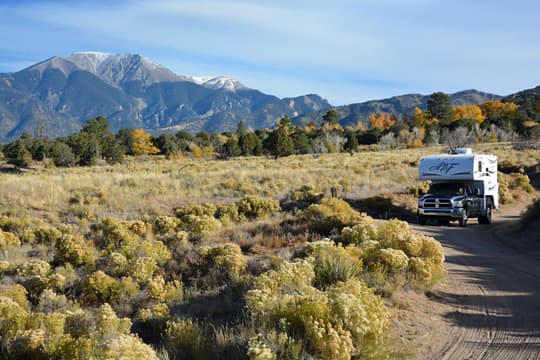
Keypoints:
pixel 346 51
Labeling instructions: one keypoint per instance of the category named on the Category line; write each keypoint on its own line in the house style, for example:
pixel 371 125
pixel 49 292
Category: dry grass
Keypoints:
pixel 156 186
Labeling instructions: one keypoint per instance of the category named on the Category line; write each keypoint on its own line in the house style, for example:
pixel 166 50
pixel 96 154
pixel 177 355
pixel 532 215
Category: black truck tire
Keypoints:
pixel 486 218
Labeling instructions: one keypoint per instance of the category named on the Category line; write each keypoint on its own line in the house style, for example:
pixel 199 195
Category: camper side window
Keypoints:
pixel 479 166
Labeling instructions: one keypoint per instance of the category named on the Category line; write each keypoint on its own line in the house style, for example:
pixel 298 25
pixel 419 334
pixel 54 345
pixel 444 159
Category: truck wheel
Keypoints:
pixel 486 219
pixel 421 220
pixel 464 218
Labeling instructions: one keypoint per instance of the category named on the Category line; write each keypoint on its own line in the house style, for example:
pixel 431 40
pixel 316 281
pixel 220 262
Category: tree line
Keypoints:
pixel 439 123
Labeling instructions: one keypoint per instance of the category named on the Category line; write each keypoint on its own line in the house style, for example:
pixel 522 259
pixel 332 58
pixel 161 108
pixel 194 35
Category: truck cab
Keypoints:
pixel 463 186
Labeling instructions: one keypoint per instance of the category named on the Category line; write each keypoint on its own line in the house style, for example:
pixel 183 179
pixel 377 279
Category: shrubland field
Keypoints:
pixel 245 258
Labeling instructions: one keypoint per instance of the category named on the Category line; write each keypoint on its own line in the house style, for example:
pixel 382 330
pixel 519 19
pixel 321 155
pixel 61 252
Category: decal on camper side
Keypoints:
pixel 443 167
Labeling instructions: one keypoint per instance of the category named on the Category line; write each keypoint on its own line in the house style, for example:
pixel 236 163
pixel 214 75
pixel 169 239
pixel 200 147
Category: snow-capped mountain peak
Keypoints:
pixel 219 82
pixel 119 69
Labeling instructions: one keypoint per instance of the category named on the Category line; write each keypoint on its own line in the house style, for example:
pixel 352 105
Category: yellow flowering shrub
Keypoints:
pixel 34 267
pixel 13 318
pixel 208 210
pixel 17 293
pixel 259 350
pixel 428 264
pixel 363 231
pixel 336 322
pixel 201 226
pixel 99 287
pixel 226 257
pixel 166 224
pixel 255 207
pixel 125 347
pixel 142 268
pixel 330 214
pixel 306 193
pixel 8 239
pixel 74 249
pixel 115 264
pixel 46 235
pixel 393 260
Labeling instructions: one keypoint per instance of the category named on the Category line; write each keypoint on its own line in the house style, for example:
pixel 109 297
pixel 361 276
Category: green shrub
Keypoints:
pixel 13 318
pixel 201 226
pixel 115 264
pixel 99 288
pixel 208 210
pixel 331 214
pixel 227 257
pixel 50 302
pixel 47 235
pixel 166 225
pixel 74 249
pixel 229 214
pixel 186 340
pixel 306 193
pixel 335 263
pixel 254 207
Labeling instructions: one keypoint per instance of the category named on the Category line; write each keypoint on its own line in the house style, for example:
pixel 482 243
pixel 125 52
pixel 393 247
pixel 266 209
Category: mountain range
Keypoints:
pixel 57 96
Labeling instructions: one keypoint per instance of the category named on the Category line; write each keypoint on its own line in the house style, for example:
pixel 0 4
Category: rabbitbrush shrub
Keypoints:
pixel 331 214
pixel 336 323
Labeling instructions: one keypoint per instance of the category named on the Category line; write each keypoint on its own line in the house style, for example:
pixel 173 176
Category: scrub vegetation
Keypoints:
pixel 247 258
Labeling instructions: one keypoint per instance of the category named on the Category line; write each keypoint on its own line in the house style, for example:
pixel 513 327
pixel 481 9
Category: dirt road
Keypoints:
pixel 488 307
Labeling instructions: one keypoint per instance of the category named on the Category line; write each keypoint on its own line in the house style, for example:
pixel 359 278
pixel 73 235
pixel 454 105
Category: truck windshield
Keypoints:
pixel 447 189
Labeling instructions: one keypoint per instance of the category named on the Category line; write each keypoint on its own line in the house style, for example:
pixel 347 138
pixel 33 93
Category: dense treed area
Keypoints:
pixel 441 123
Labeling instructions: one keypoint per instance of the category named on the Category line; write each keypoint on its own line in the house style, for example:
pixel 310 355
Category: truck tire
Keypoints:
pixel 486 219
pixel 464 218
pixel 421 220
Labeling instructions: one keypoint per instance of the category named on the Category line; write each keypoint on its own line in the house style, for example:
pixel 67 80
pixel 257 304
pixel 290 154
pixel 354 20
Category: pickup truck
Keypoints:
pixel 463 186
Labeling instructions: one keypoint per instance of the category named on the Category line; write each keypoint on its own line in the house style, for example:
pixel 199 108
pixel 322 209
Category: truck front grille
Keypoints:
pixel 437 203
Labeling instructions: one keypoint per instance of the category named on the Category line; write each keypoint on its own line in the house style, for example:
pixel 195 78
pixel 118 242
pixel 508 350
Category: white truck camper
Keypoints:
pixel 463 186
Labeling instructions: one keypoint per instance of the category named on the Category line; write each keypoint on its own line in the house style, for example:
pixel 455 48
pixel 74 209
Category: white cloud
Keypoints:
pixel 344 49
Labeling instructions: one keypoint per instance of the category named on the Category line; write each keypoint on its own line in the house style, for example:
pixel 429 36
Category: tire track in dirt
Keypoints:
pixel 492 291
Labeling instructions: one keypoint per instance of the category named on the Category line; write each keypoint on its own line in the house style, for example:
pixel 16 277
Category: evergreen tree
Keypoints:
pixel 302 144
pixel 230 149
pixel 331 117
pixel 279 143
pixel 95 141
pixel 439 107
pixel 167 144
pixel 351 144
pixel 17 153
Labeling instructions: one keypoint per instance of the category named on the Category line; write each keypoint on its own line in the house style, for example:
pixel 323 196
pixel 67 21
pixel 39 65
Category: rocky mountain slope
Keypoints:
pixel 56 96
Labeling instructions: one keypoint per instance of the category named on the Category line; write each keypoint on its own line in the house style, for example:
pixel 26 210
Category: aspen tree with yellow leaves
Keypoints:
pixel 142 143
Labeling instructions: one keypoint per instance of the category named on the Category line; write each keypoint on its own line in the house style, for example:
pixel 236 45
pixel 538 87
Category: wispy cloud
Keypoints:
pixel 344 49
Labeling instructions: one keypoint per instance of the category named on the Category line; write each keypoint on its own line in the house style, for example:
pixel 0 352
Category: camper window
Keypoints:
pixel 479 166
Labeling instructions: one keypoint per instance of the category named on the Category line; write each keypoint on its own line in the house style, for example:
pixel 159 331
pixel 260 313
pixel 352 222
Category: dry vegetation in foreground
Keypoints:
pixel 247 258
